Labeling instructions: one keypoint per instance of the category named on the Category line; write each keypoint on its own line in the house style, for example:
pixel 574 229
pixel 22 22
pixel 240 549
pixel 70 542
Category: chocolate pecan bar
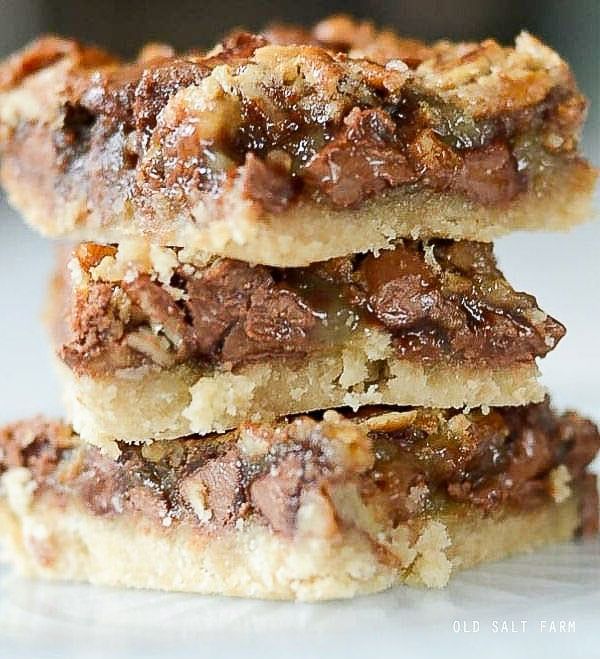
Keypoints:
pixel 312 508
pixel 203 345
pixel 292 147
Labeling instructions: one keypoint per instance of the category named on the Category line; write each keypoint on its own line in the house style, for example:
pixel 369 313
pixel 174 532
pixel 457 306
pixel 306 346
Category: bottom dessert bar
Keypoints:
pixel 311 508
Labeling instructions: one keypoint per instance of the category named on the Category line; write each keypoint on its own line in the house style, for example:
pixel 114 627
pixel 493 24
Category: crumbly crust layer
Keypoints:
pixel 175 402
pixel 387 496
pixel 70 544
pixel 256 137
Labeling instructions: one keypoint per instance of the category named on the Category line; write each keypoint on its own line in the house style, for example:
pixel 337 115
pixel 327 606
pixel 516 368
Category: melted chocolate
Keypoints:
pixel 453 306
pixel 437 459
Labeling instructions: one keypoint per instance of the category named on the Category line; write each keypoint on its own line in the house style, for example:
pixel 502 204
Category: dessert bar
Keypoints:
pixel 292 366
pixel 286 153
pixel 312 508
pixel 203 345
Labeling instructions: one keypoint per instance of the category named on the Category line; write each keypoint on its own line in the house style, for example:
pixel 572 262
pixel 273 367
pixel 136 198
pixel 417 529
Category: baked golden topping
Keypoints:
pixel 336 116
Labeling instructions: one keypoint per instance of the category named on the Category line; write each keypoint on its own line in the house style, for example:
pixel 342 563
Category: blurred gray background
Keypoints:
pixel 563 271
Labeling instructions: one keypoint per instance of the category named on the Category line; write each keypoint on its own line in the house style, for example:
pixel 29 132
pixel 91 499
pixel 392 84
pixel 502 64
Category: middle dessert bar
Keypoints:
pixel 203 345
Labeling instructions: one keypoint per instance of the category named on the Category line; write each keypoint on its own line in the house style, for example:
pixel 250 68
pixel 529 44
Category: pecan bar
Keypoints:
pixel 312 508
pixel 203 345
pixel 293 147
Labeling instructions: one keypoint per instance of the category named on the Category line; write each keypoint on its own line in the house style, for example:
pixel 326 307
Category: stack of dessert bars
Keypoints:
pixel 292 367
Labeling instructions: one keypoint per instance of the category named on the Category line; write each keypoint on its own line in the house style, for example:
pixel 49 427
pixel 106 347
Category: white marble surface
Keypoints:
pixel 57 620
pixel 514 608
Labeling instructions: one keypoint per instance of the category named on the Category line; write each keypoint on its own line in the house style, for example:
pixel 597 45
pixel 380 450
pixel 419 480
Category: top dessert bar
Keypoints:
pixel 294 146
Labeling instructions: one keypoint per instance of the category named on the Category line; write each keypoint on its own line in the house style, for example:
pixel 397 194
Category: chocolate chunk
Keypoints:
pixel 237 309
pixel 219 299
pixel 489 175
pixel 110 96
pixel 276 494
pixel 267 184
pixel 220 480
pixel 96 332
pixel 403 291
pixel 364 159
pixel 160 308
pixel 95 319
pixel 436 162
pixel 456 308
pixel 278 316
pixel 101 484
pixel 147 500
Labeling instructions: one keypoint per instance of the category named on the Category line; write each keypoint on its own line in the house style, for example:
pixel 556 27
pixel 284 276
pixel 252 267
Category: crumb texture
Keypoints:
pixel 253 562
pixel 177 402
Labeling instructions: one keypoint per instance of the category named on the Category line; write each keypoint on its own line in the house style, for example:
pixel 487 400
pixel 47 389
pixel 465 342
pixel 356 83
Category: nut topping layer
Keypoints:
pixel 335 116
pixel 441 301
pixel 401 465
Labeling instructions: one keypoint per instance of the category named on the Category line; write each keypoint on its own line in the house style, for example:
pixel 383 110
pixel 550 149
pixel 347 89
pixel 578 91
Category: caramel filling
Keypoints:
pixel 401 463
pixel 441 302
